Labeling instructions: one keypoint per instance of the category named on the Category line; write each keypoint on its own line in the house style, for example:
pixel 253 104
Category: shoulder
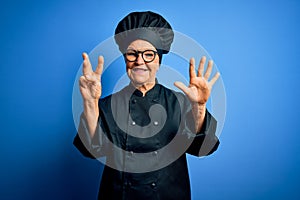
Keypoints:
pixel 115 97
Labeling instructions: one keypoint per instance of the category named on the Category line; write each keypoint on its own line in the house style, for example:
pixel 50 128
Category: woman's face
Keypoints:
pixel 139 71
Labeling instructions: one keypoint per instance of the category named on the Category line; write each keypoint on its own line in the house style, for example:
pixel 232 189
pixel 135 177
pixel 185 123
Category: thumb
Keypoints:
pixel 182 87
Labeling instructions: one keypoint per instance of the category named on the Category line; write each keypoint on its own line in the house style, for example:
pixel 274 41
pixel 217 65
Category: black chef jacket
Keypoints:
pixel 144 139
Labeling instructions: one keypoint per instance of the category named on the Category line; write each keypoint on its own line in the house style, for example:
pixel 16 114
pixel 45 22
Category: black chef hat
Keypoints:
pixel 148 26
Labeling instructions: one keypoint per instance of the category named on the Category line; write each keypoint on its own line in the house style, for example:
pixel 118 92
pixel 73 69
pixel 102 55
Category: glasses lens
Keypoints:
pixel 148 55
pixel 131 56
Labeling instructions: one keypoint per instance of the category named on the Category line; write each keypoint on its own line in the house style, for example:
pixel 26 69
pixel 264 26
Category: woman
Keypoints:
pixel 145 129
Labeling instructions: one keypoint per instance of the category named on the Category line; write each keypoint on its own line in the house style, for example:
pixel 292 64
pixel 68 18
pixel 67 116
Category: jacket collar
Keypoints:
pixel 152 94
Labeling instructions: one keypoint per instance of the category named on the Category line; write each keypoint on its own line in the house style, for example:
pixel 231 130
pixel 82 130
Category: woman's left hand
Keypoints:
pixel 200 87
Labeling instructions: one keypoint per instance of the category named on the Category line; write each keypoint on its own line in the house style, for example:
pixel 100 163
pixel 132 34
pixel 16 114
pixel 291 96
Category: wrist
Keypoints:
pixel 91 106
pixel 90 103
pixel 198 111
pixel 198 106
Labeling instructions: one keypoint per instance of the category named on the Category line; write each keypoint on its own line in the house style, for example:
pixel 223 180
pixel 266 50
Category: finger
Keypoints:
pixel 214 79
pixel 209 69
pixel 192 68
pixel 99 68
pixel 82 82
pixel 182 87
pixel 201 66
pixel 91 79
pixel 87 67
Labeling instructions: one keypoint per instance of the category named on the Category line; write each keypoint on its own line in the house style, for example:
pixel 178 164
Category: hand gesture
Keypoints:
pixel 200 87
pixel 89 82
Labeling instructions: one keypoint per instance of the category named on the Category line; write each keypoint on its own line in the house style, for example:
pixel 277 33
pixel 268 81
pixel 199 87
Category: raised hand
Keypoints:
pixel 89 82
pixel 199 88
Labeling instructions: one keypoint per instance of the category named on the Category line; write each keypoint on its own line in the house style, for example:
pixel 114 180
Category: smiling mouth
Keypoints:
pixel 139 69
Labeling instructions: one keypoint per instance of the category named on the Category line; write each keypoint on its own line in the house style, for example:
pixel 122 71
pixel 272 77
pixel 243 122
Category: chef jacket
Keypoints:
pixel 145 140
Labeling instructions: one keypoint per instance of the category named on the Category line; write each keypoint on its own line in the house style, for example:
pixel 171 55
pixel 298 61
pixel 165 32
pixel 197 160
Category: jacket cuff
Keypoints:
pixel 205 142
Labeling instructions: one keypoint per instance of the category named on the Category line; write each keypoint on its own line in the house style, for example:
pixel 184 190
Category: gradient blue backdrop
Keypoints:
pixel 254 43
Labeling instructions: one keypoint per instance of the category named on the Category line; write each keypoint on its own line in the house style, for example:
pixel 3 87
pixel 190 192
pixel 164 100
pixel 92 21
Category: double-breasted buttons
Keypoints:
pixel 153 185
pixel 128 183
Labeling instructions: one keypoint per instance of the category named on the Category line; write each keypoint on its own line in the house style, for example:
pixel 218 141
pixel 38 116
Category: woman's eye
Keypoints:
pixel 130 53
pixel 149 54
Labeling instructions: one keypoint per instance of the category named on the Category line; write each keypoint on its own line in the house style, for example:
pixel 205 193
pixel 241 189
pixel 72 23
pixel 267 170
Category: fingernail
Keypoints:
pixel 84 55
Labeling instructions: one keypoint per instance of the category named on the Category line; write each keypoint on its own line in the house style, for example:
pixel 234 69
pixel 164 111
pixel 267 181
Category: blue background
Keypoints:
pixel 255 45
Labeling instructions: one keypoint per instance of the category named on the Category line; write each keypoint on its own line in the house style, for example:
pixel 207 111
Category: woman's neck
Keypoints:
pixel 144 88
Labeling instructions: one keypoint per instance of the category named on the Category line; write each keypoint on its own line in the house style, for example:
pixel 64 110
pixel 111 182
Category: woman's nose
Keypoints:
pixel 139 59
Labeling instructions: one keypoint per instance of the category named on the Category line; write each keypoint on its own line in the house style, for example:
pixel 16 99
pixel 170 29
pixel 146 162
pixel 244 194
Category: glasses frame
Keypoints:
pixel 136 53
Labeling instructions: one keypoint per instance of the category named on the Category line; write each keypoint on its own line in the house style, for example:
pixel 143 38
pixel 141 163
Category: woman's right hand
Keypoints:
pixel 90 81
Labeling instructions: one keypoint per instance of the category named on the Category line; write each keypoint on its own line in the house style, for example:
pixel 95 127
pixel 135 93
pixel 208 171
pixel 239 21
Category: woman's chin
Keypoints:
pixel 139 80
pixel 138 83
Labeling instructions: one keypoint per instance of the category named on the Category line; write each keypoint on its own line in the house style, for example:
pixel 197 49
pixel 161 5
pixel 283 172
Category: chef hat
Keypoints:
pixel 148 26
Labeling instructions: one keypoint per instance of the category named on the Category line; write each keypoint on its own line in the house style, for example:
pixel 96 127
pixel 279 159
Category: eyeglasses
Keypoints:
pixel 147 55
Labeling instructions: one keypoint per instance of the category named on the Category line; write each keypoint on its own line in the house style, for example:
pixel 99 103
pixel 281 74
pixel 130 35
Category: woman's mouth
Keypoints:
pixel 139 70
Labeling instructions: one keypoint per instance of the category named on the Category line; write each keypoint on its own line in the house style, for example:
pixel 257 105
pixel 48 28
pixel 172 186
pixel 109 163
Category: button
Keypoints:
pixel 155 123
pixel 134 101
pixel 153 185
pixel 131 153
pixel 128 183
pixel 133 123
pixel 155 153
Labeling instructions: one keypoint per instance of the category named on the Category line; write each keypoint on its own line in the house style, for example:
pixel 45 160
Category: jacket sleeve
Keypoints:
pixel 205 142
pixel 90 147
